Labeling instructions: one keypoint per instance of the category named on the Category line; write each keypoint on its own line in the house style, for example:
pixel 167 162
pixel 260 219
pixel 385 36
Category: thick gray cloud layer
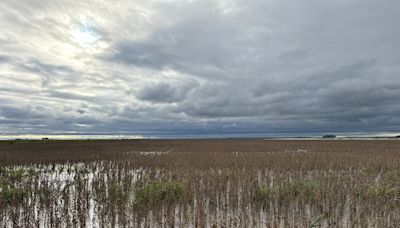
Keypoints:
pixel 201 66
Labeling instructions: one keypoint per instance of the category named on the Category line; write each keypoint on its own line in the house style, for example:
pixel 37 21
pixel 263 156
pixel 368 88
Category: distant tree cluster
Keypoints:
pixel 329 136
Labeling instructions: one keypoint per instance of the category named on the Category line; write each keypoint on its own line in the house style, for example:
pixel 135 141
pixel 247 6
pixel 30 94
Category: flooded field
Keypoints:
pixel 200 183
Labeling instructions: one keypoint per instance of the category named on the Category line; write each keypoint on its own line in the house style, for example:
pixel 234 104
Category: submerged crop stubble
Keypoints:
pixel 200 183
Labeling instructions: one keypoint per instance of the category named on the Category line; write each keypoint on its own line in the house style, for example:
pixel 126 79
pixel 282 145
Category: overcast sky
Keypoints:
pixel 199 66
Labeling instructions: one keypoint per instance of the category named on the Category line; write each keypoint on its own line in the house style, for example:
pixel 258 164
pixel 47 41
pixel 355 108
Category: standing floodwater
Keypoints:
pixel 200 183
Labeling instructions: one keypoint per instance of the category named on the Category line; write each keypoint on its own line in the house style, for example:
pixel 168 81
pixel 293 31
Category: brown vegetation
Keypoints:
pixel 200 183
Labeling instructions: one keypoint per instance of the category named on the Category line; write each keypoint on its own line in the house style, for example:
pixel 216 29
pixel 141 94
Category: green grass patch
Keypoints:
pixel 304 189
pixel 156 194
pixel 15 184
pixel 383 191
pixel 10 194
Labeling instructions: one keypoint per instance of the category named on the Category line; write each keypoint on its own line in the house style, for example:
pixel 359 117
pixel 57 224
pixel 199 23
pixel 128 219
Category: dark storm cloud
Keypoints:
pixel 45 70
pixel 161 92
pixel 4 59
pixel 199 66
pixel 13 112
pixel 140 54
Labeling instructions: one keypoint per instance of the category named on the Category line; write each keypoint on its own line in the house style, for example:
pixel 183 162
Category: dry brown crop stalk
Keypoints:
pixel 204 182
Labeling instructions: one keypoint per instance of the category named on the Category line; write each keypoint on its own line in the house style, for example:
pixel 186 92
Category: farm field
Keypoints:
pixel 200 183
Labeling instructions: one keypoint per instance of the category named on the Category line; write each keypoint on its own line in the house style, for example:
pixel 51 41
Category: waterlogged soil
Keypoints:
pixel 200 183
